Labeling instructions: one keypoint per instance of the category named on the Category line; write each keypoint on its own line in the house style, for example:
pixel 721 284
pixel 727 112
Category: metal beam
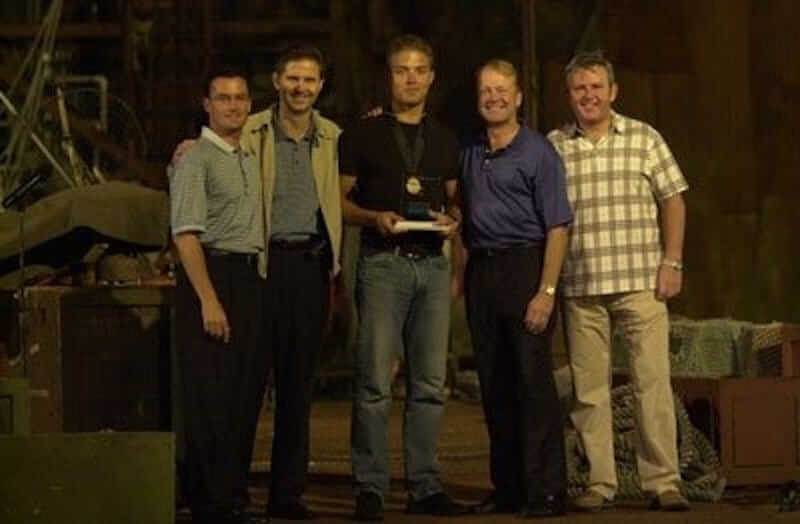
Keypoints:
pixel 530 66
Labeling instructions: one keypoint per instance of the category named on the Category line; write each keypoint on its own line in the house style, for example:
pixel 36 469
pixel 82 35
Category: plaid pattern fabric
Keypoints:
pixel 614 187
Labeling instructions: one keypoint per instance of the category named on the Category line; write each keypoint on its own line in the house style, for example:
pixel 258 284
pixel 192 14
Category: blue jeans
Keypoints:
pixel 404 310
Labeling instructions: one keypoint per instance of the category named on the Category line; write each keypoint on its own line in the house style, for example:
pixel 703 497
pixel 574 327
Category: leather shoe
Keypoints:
pixel 289 510
pixel 670 500
pixel 369 507
pixel 216 517
pixel 547 506
pixel 592 501
pixel 439 504
pixel 495 503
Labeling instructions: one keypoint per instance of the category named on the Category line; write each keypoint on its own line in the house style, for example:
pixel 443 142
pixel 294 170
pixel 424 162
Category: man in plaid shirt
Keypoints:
pixel 623 264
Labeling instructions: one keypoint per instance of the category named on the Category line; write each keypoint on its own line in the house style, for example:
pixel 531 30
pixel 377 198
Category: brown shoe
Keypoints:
pixel 670 500
pixel 591 501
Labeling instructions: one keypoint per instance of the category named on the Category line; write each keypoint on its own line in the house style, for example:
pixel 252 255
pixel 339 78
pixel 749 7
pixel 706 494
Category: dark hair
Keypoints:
pixel 301 52
pixel 409 43
pixel 223 71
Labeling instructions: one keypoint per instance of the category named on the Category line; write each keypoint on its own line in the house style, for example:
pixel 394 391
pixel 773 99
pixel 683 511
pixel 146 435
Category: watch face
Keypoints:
pixel 550 291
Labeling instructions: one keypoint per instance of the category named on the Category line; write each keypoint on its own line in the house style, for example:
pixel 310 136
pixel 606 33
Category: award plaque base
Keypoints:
pixel 417 225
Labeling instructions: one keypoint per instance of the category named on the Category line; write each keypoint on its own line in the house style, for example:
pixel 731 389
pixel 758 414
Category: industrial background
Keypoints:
pixel 109 87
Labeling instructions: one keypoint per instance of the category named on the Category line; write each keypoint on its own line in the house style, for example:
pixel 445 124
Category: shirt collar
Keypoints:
pixel 518 138
pixel 215 139
pixel 311 133
pixel 618 126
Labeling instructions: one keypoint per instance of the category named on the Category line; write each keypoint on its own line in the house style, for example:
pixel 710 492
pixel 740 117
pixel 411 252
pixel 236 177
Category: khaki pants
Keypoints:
pixel 644 324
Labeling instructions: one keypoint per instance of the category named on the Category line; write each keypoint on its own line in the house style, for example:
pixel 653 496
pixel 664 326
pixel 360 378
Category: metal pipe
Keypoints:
pixel 36 140
pixel 102 86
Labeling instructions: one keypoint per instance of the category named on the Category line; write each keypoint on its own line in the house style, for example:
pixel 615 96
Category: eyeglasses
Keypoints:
pixel 227 99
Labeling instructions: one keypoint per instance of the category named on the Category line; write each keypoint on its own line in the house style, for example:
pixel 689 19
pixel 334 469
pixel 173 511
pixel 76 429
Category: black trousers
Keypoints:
pixel 521 406
pixel 222 385
pixel 296 309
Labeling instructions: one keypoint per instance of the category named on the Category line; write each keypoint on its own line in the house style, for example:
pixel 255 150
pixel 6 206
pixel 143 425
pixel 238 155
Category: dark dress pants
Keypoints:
pixel 521 406
pixel 222 385
pixel 297 305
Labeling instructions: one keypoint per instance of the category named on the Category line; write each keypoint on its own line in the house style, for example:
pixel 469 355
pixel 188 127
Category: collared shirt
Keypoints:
pixel 258 139
pixel 295 205
pixel 614 187
pixel 513 195
pixel 216 193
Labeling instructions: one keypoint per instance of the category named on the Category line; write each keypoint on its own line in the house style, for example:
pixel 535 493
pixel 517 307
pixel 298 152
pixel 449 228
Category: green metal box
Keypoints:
pixel 88 478
pixel 14 406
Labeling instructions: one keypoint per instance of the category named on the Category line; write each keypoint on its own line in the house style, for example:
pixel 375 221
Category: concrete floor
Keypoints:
pixel 464 458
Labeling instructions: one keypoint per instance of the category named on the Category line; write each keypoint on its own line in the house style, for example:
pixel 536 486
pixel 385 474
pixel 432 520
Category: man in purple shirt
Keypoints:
pixel 516 215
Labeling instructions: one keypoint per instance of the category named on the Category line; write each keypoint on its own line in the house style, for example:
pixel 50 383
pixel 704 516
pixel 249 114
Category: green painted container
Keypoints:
pixel 88 478
pixel 15 411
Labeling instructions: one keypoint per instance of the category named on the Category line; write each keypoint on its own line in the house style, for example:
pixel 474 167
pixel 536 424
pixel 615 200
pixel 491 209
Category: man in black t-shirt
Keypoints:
pixel 398 173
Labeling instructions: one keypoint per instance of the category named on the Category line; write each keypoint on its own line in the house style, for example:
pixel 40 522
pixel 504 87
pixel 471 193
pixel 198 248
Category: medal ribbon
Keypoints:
pixel 411 157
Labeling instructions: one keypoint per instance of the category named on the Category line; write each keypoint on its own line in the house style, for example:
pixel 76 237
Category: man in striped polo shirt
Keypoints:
pixel 623 264
pixel 216 218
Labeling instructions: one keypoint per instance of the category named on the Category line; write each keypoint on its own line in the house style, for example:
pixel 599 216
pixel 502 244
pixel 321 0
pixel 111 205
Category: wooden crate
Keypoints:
pixel 96 358
pixel 754 423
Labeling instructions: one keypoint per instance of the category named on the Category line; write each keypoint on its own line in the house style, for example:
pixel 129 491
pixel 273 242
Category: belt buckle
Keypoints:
pixel 405 253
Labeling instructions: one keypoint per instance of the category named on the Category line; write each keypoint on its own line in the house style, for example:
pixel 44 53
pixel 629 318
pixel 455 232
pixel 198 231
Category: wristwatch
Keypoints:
pixel 550 291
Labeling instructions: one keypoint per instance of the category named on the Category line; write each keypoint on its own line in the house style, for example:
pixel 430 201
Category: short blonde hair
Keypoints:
pixel 504 67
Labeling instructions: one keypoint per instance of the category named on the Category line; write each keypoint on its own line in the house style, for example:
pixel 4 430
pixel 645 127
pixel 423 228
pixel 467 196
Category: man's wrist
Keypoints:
pixel 454 212
pixel 548 290
pixel 675 264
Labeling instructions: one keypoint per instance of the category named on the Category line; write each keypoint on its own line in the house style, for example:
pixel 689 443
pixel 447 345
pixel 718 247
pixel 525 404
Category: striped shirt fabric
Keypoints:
pixel 215 192
pixel 295 204
pixel 614 186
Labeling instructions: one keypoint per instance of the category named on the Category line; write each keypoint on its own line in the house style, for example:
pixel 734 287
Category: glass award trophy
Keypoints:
pixel 421 196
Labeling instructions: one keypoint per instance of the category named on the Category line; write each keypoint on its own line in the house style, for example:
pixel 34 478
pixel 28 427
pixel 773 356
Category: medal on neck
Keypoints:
pixel 413 184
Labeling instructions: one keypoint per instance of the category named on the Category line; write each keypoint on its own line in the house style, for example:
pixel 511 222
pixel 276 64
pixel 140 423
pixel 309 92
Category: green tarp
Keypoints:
pixel 61 227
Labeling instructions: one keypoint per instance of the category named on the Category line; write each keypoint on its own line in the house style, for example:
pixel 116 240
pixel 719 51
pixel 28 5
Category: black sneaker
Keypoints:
pixel 437 504
pixel 369 507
